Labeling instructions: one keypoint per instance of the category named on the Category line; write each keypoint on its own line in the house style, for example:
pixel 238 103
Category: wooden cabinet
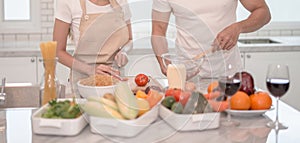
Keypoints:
pixel 256 64
pixel 19 69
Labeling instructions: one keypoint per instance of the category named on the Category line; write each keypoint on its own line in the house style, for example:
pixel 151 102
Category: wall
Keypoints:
pixel 47 19
pixel 47 12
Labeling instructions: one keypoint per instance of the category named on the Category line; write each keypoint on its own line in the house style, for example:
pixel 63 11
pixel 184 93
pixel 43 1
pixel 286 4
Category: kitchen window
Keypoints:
pixel 20 16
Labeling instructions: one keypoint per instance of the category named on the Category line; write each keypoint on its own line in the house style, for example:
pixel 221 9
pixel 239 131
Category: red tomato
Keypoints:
pixel 141 79
pixel 184 97
pixel 173 92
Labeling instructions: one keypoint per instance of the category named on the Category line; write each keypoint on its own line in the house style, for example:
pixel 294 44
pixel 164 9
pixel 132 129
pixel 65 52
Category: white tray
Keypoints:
pixel 63 127
pixel 123 128
pixel 190 122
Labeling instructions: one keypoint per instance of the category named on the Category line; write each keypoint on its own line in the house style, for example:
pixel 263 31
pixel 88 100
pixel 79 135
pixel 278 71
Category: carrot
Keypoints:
pixel 212 95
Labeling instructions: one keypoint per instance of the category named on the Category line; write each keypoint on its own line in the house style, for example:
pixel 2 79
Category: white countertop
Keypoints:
pixel 31 48
pixel 252 130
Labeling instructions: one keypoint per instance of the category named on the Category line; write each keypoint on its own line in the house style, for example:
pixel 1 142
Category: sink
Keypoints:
pixel 21 96
pixel 258 41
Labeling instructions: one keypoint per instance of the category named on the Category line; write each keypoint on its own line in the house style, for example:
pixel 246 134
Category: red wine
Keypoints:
pixel 229 86
pixel 278 87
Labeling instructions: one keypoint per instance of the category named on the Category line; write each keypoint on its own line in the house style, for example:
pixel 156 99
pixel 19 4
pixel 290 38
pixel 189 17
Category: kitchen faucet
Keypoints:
pixel 2 94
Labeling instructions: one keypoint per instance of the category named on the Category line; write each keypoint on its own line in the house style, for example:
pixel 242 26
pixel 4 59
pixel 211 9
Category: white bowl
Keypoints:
pixel 86 91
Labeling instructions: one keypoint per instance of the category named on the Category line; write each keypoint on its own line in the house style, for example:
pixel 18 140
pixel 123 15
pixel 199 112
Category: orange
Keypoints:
pixel 260 101
pixel 212 86
pixel 141 94
pixel 240 101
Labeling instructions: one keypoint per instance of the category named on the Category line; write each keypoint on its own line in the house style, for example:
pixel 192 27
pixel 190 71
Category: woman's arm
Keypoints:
pixel 60 34
pixel 260 16
pixel 158 40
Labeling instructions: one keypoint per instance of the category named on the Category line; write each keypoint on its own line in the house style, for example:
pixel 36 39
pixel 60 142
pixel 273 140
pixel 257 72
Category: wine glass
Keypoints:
pixel 278 84
pixel 229 84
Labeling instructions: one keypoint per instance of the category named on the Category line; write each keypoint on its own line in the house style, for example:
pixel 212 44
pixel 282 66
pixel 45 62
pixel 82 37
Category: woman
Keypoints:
pixel 203 25
pixel 100 29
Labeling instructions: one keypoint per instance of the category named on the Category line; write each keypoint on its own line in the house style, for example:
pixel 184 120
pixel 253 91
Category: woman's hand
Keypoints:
pixel 228 37
pixel 121 59
pixel 108 70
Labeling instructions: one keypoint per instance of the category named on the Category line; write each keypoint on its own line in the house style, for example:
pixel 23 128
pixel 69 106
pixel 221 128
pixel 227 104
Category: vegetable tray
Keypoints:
pixel 190 122
pixel 50 126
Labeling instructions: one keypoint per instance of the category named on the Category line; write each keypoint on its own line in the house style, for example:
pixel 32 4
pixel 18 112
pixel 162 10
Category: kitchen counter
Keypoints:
pixel 31 48
pixel 18 128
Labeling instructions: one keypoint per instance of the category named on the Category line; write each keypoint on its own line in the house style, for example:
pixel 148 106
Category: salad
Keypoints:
pixel 62 110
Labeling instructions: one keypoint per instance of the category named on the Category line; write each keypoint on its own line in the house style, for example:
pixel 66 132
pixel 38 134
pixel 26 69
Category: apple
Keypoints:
pixel 247 83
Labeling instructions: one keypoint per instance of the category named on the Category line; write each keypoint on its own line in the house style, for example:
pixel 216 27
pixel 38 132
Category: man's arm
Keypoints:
pixel 158 40
pixel 260 16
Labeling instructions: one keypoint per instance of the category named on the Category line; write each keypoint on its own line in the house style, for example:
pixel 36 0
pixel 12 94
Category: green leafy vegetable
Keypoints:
pixel 62 109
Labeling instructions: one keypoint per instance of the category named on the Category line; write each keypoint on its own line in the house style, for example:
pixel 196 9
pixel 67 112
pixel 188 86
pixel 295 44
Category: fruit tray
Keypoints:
pixel 61 127
pixel 190 122
pixel 126 128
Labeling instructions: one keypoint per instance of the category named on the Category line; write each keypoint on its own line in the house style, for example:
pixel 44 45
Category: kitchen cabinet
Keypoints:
pixel 19 69
pixel 29 69
pixel 243 59
pixel 256 64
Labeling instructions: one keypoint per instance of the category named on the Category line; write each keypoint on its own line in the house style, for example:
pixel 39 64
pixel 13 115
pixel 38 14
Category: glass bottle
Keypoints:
pixel 49 85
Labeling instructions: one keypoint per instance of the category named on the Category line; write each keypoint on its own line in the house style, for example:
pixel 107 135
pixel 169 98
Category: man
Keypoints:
pixel 206 25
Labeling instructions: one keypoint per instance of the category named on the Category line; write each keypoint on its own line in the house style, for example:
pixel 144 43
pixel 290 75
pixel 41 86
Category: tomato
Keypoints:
pixel 173 92
pixel 179 95
pixel 141 79
pixel 184 97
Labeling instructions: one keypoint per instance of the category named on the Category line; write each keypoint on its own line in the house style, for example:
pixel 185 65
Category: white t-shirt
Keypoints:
pixel 197 23
pixel 70 11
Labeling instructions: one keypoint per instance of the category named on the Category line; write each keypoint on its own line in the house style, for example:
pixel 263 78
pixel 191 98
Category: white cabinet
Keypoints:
pixel 243 59
pixel 28 69
pixel 256 64
pixel 18 69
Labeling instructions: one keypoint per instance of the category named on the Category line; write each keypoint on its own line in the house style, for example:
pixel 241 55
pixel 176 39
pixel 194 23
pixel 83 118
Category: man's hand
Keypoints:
pixel 228 37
